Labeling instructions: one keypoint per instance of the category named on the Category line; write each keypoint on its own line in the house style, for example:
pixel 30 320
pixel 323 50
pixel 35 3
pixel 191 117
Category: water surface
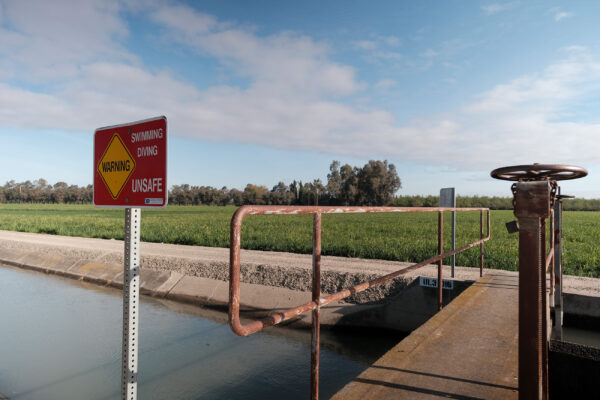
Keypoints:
pixel 61 339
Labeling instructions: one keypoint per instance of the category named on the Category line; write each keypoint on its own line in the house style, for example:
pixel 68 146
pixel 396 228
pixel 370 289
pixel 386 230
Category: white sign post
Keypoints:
pixel 131 294
pixel 448 199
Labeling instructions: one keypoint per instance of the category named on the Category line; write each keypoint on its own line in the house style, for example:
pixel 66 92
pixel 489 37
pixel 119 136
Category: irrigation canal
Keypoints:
pixel 61 339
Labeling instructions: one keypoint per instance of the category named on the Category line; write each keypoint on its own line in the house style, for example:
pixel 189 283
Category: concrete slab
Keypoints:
pixel 215 292
pixel 467 351
pixel 158 283
pixel 98 272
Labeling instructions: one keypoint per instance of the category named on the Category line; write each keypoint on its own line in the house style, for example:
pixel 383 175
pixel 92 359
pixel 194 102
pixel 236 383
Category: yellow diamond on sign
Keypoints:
pixel 116 166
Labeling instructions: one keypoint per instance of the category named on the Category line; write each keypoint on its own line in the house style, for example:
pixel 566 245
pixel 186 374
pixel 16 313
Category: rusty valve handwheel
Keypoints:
pixel 539 172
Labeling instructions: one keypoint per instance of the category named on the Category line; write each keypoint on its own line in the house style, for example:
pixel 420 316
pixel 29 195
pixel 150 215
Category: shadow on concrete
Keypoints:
pixel 447 377
pixel 416 389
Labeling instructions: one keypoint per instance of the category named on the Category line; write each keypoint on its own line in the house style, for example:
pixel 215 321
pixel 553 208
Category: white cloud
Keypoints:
pixel 293 99
pixel 385 84
pixel 379 49
pixel 494 8
pixel 559 82
pixel 52 41
pixel 429 53
pixel 393 41
pixel 560 15
pixel 365 45
pixel 282 61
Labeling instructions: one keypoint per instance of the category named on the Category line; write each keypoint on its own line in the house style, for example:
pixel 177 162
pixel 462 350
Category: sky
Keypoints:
pixel 267 91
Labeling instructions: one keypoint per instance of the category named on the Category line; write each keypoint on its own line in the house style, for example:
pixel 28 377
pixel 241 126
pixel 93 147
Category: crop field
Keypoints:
pixel 391 236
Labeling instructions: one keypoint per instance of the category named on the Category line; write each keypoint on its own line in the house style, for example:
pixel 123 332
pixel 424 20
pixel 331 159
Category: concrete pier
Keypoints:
pixel 467 351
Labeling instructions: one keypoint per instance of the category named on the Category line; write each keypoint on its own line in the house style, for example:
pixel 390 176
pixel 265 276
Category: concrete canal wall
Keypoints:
pixel 270 281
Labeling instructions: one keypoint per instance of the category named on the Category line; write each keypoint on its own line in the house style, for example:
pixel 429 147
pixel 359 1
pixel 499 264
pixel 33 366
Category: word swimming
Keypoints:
pixel 146 185
pixel 116 166
pixel 147 135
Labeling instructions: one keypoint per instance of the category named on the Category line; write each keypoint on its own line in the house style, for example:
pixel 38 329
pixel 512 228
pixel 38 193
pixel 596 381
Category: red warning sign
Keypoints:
pixel 130 164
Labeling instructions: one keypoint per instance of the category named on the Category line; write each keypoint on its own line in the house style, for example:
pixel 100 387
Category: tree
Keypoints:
pixel 334 182
pixel 280 195
pixel 254 194
pixel 377 183
pixel 349 193
pixel 318 190
pixel 294 192
pixel 237 197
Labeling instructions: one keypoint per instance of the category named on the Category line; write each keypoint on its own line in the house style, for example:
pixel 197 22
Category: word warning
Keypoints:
pixel 130 164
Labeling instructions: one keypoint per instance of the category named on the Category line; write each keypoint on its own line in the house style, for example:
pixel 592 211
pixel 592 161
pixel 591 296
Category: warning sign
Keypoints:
pixel 130 164
pixel 116 166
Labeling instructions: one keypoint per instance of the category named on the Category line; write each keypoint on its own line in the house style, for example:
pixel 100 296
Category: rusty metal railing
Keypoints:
pixel 319 301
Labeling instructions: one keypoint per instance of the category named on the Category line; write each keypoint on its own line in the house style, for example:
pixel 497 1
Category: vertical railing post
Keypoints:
pixel 552 242
pixel 316 297
pixel 453 243
pixel 545 311
pixel 481 245
pixel 532 206
pixel 558 312
pixel 440 252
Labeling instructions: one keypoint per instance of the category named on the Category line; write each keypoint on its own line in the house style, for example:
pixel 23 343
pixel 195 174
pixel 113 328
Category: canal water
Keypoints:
pixel 61 339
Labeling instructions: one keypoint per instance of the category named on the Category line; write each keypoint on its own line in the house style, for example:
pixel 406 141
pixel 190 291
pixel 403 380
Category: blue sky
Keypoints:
pixel 267 91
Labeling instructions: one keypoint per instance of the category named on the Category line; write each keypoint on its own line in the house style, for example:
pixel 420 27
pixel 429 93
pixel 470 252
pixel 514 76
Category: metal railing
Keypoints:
pixel 318 300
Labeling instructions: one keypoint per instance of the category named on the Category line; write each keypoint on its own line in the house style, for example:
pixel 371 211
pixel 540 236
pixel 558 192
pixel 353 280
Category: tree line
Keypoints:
pixel 374 184
pixel 40 191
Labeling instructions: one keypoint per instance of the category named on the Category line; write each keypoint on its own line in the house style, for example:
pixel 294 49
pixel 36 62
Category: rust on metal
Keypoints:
pixel 532 207
pixel 558 314
pixel 481 245
pixel 538 172
pixel 532 199
pixel 316 296
pixel 530 309
pixel 317 300
pixel 550 258
pixel 545 313
pixel 440 251
pixel 278 317
pixel 535 195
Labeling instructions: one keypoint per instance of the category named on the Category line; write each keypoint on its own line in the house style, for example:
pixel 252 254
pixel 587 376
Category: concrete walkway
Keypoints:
pixel 467 351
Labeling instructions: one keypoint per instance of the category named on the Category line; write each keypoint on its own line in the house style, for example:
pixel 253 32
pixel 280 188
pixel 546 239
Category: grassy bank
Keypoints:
pixel 403 237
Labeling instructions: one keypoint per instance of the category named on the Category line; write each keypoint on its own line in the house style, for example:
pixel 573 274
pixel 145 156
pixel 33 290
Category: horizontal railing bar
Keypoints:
pixel 278 317
pixel 382 279
pixel 285 210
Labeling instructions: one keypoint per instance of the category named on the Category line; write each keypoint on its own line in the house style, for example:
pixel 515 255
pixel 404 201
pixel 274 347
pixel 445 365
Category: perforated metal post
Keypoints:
pixel 131 293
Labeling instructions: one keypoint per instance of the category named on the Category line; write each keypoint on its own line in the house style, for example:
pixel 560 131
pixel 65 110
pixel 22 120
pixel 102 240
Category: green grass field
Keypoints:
pixel 397 236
